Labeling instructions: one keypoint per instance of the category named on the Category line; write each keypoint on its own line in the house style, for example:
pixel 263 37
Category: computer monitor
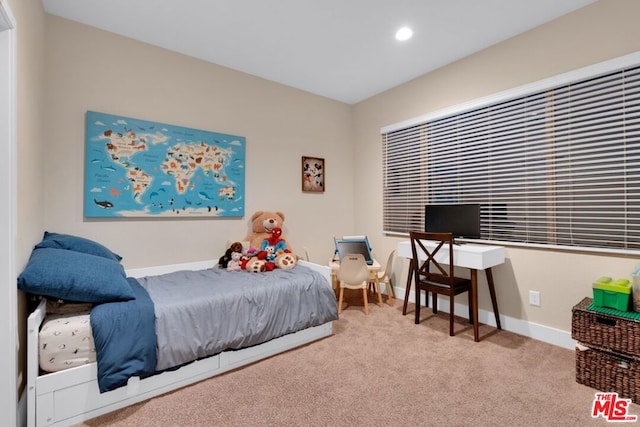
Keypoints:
pixel 354 245
pixel 462 220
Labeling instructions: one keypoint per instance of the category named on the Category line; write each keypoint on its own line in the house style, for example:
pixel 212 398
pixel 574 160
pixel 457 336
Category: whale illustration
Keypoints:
pixel 103 204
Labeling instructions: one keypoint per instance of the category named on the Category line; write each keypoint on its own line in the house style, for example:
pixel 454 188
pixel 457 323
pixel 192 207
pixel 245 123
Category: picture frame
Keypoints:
pixel 137 168
pixel 313 174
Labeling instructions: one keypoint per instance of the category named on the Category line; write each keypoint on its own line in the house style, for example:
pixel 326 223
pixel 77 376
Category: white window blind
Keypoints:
pixel 559 166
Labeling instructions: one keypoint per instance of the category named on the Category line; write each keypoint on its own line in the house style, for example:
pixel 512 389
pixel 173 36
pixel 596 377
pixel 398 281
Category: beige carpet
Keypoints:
pixel 383 370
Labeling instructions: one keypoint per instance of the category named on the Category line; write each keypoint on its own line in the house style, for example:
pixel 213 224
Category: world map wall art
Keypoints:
pixel 138 168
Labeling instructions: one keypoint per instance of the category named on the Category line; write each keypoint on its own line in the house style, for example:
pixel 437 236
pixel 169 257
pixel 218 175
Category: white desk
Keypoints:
pixel 468 255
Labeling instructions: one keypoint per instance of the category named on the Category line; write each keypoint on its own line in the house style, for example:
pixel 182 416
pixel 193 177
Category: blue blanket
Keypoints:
pixel 133 353
pixel 201 313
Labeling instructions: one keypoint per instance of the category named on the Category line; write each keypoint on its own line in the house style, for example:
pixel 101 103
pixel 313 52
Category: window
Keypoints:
pixel 555 163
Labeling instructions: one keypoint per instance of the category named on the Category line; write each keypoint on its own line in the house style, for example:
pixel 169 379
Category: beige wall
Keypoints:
pixel 30 33
pixel 599 32
pixel 90 69
pixel 30 25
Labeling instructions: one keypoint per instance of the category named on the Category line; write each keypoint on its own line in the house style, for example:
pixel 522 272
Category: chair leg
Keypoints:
pixel 340 301
pixel 451 314
pixel 417 310
pixel 366 301
pixel 377 286
pixel 470 311
pixel 391 293
pixel 390 289
pixel 434 302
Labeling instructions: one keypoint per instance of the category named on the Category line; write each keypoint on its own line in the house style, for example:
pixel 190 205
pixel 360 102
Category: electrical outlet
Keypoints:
pixel 534 298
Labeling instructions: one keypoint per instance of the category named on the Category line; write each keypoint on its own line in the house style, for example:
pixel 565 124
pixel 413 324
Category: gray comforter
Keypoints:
pixel 201 313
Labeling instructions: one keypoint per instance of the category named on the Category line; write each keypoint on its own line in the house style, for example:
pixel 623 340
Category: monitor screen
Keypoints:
pixel 354 246
pixel 462 220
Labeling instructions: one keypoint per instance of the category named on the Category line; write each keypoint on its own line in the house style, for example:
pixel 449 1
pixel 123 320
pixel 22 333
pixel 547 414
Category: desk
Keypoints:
pixel 373 269
pixel 467 255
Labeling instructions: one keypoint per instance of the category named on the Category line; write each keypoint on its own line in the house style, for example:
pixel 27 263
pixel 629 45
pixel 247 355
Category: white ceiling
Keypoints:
pixel 340 49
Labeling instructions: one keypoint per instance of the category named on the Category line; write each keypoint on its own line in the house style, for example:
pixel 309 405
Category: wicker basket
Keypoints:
pixel 607 332
pixel 609 372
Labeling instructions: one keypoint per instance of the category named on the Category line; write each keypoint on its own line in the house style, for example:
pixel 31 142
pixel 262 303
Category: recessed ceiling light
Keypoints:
pixel 404 33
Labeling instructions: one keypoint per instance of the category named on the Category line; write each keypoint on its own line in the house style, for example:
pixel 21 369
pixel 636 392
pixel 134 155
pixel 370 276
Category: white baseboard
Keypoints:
pixel 538 332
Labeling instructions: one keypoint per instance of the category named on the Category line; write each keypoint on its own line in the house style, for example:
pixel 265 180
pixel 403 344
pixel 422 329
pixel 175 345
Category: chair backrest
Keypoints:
pixel 389 266
pixel 426 258
pixel 353 269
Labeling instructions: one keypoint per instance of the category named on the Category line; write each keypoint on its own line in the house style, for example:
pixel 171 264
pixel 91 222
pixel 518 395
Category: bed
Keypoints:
pixel 79 392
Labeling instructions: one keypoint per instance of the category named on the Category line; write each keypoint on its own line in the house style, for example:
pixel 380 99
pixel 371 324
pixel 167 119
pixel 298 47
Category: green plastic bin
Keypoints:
pixel 612 293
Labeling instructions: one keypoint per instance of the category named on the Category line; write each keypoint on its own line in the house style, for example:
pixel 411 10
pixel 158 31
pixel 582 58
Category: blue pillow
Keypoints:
pixel 78 244
pixel 74 276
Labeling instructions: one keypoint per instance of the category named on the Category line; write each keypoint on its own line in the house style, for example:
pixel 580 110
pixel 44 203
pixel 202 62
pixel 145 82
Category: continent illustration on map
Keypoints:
pixel 137 168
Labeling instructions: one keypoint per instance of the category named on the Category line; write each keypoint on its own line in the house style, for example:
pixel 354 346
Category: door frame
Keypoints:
pixel 8 219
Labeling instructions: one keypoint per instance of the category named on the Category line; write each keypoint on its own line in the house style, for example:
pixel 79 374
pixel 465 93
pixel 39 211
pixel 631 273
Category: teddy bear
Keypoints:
pixel 224 259
pixel 263 224
pixel 234 263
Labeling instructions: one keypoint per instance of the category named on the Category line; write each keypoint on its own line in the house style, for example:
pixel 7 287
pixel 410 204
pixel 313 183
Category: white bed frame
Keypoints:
pixel 72 396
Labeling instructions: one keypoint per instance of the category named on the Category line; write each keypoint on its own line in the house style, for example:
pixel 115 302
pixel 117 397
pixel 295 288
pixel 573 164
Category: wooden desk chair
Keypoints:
pixel 353 274
pixel 431 276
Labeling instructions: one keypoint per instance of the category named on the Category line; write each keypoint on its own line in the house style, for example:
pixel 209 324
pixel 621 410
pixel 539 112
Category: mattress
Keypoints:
pixel 66 341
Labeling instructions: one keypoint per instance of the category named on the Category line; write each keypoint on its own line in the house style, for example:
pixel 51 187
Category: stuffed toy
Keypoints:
pixel 273 244
pixel 224 259
pixel 275 252
pixel 263 224
pixel 250 262
pixel 234 263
